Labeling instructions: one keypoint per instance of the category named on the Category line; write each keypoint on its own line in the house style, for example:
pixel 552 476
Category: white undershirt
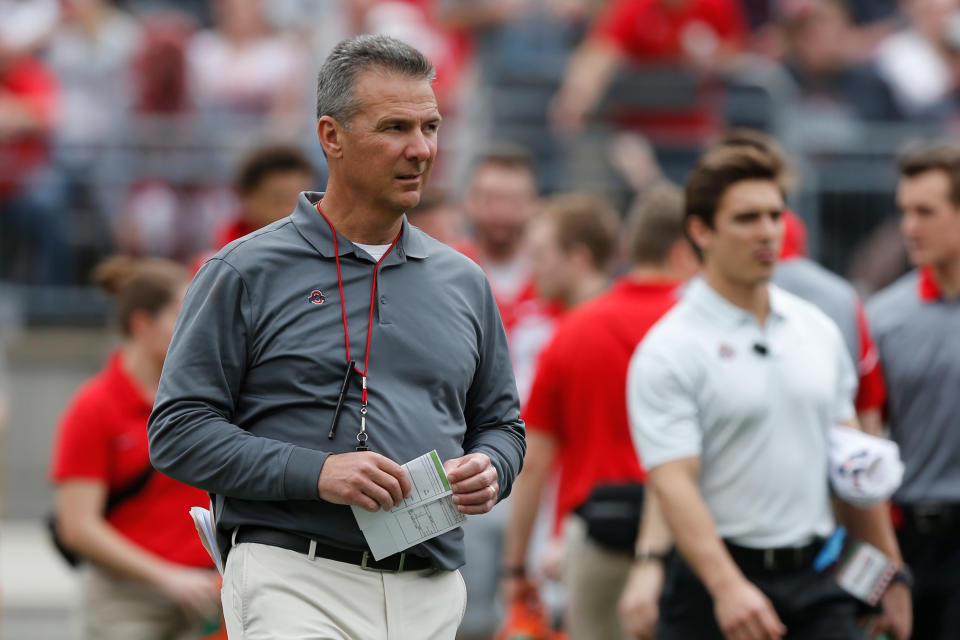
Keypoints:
pixel 376 251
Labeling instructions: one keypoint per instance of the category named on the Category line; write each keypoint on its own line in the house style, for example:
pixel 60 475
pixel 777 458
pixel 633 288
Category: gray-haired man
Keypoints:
pixel 268 330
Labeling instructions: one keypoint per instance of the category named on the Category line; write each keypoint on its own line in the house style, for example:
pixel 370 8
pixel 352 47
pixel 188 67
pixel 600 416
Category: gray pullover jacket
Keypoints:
pixel 253 372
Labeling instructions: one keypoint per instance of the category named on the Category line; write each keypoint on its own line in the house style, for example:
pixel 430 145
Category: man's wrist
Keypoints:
pixel 651 556
pixel 903 576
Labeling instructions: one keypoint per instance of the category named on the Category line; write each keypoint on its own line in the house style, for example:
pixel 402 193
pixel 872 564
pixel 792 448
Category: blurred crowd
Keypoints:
pixel 123 123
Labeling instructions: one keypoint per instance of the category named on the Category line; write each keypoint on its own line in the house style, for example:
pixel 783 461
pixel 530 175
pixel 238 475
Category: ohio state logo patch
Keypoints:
pixel 316 297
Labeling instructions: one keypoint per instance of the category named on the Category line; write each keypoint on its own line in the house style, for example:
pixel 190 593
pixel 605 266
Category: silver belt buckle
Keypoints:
pixel 366 557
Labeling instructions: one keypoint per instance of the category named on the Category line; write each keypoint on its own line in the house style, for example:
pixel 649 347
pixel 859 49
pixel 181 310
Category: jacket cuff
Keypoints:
pixel 302 473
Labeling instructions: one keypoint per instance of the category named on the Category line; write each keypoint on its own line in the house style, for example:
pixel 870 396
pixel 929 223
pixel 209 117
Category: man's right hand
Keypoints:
pixel 745 613
pixel 363 478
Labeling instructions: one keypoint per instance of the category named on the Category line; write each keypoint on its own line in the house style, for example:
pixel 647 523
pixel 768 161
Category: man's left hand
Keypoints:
pixel 474 483
pixel 897 617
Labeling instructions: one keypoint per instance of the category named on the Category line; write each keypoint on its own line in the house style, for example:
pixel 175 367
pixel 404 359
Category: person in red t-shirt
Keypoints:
pixel 698 35
pixel 148 575
pixel 577 416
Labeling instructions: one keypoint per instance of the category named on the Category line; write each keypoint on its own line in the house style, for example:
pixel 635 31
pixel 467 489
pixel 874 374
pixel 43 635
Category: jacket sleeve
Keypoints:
pixel 192 437
pixel 492 413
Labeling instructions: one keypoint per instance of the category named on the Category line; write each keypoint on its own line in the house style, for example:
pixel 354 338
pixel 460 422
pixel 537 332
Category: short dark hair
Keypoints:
pixel 505 155
pixel 722 167
pixel 937 157
pixel 655 225
pixel 265 161
pixel 585 219
pixel 336 80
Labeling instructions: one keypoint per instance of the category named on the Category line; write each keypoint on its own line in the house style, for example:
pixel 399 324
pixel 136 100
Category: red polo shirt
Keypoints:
pixel 579 390
pixel 103 436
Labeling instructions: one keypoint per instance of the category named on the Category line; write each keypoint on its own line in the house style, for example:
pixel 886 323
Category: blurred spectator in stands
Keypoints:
pixel 413 22
pixel 437 217
pixel 268 183
pixel 32 248
pixel 28 25
pixel 916 61
pixel 696 36
pixel 243 77
pixel 834 90
pixel 875 21
pixel 169 209
pixel 92 55
pixel 521 48
pixel 199 11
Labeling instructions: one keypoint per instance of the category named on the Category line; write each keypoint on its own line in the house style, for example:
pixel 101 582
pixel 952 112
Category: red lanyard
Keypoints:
pixel 362 434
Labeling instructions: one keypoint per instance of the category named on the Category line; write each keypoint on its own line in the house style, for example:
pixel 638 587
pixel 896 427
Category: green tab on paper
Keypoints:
pixel 440 471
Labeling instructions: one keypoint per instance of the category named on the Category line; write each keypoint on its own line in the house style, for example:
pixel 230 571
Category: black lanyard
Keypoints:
pixel 362 436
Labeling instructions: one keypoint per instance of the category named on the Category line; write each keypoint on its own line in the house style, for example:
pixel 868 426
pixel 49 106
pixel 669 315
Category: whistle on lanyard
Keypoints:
pixel 344 387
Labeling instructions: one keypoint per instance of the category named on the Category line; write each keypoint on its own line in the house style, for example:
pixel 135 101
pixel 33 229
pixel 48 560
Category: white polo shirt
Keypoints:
pixel 697 387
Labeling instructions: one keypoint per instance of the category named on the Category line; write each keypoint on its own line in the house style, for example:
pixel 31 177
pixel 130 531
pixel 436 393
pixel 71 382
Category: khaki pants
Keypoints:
pixel 122 609
pixel 271 593
pixel 594 579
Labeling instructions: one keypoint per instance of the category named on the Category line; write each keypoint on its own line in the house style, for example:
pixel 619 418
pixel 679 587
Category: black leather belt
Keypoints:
pixel 301 544
pixel 776 559
pixel 931 518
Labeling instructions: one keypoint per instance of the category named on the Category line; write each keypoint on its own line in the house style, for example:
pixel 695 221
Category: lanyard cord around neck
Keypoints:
pixel 362 435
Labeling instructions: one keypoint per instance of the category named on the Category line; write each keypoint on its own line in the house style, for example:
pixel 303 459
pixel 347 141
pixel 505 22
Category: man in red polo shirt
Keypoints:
pixel 576 416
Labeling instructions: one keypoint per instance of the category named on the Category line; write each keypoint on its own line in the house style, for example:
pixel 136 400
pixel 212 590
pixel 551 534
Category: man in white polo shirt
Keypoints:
pixel 730 397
